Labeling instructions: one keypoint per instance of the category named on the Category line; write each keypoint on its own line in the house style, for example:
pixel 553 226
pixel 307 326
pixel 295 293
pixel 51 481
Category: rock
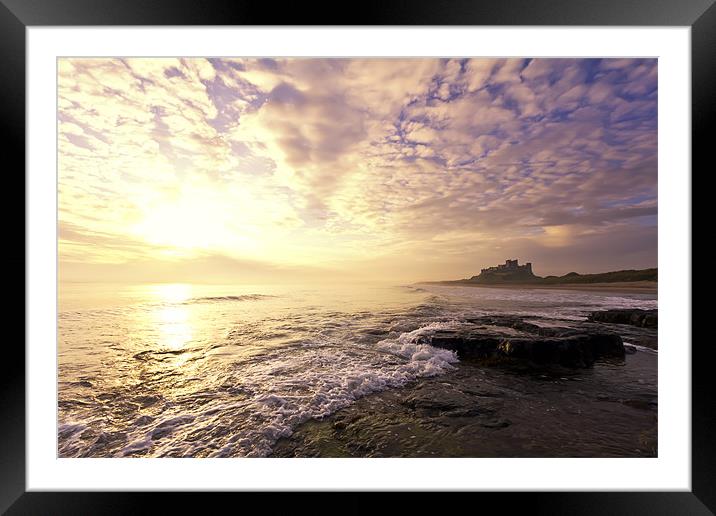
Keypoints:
pixel 647 341
pixel 465 412
pixel 343 421
pixel 438 399
pixel 573 351
pixel 507 321
pixel 340 425
pixel 496 423
pixel 639 404
pixel 636 317
pixel 568 347
pixel 467 344
pixel 518 323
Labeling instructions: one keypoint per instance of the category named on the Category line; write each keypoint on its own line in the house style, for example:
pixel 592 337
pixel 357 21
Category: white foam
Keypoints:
pixel 294 385
pixel 642 348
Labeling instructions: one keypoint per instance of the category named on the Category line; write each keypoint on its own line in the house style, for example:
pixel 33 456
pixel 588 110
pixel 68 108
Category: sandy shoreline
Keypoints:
pixel 630 287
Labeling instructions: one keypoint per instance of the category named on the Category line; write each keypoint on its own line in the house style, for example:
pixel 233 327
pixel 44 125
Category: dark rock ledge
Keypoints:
pixel 640 318
pixel 570 347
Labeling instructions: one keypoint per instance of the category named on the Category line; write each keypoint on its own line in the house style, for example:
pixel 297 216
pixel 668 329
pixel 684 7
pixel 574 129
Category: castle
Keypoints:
pixel 509 266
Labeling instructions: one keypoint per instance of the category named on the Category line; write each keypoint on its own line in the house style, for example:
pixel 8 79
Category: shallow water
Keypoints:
pixel 228 371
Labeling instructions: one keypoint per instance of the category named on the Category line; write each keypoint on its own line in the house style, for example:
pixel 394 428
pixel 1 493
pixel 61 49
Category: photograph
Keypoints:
pixel 357 257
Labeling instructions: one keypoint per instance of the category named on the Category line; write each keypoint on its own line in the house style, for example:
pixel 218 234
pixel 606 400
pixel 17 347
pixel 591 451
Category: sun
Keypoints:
pixel 183 224
pixel 171 292
pixel 193 221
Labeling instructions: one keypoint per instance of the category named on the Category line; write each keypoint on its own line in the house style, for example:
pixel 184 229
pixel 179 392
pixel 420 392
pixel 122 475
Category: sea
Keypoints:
pixel 184 370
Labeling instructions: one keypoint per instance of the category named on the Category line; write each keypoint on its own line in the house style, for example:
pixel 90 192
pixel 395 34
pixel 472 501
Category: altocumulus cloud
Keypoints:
pixel 414 168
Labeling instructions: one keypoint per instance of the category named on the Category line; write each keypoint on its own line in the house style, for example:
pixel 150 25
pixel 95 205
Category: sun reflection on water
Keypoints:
pixel 173 321
pixel 174 327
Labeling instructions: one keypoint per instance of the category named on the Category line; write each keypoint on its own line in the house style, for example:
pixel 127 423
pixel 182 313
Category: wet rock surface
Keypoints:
pixel 634 317
pixel 485 339
pixel 644 334
pixel 479 411
pixel 522 389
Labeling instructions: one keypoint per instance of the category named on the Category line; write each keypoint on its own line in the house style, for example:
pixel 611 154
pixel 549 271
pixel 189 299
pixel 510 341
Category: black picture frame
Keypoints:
pixel 17 15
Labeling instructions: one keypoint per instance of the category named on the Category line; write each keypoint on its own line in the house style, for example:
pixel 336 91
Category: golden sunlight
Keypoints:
pixel 173 324
pixel 324 257
pixel 174 327
pixel 378 169
pixel 185 224
pixel 171 293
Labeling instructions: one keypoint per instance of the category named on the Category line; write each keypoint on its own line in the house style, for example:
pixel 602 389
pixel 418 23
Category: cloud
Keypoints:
pixel 360 163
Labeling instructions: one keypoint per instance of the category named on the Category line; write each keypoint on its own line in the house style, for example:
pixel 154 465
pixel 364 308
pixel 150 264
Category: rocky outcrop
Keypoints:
pixel 640 318
pixel 487 340
pixel 572 351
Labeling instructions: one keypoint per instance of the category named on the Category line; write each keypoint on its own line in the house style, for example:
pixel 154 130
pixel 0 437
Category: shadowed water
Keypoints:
pixel 229 371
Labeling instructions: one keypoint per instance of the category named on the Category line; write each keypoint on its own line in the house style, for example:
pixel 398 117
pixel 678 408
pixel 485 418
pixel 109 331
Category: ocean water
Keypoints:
pixel 230 371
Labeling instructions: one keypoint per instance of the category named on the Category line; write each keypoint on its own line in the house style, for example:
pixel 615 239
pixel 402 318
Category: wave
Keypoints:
pixel 643 349
pixel 413 288
pixel 217 299
pixel 286 387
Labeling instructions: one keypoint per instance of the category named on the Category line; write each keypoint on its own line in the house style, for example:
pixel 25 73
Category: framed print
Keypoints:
pixel 417 253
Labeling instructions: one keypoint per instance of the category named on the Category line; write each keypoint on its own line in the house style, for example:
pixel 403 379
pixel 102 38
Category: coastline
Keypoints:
pixel 629 287
pixel 473 412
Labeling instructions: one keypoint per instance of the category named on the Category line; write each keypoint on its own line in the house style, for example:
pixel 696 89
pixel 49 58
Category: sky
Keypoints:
pixel 276 170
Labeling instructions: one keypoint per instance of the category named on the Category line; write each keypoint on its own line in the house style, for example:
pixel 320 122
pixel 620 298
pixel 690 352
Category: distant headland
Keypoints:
pixel 511 273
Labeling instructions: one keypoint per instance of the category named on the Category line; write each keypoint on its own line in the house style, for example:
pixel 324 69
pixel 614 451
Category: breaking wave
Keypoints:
pixel 262 399
pixel 217 299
